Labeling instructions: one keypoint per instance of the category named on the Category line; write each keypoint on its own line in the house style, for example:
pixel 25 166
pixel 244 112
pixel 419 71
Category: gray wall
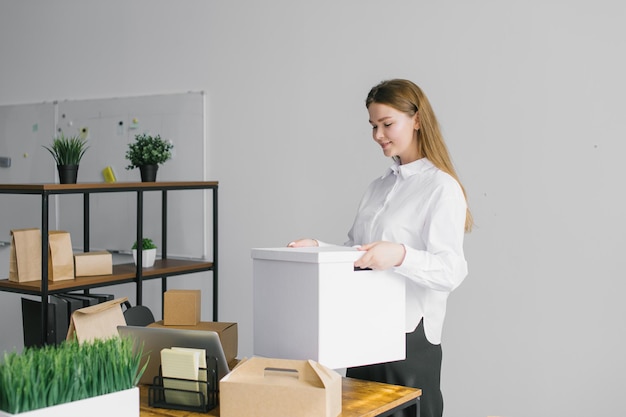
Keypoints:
pixel 530 96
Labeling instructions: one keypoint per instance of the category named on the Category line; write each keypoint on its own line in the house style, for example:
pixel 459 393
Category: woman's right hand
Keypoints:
pixel 302 243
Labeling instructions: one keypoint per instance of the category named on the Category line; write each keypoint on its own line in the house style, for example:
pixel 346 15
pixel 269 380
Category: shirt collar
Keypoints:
pixel 410 169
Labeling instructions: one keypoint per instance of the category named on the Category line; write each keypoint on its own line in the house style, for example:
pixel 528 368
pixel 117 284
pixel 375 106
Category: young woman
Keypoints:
pixel 412 220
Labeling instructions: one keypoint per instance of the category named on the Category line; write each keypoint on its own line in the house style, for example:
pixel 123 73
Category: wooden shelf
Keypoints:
pixel 100 187
pixel 121 273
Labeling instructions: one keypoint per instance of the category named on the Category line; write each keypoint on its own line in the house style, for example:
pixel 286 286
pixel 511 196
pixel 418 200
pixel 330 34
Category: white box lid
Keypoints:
pixel 324 254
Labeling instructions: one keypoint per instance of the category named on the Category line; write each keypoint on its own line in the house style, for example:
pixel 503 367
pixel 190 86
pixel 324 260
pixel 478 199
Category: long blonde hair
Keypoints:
pixel 405 96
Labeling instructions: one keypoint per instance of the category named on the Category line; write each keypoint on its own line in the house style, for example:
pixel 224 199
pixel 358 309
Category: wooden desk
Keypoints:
pixel 359 399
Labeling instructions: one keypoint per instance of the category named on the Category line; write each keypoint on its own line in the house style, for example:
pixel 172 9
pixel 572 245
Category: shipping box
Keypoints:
pixel 311 303
pixel 227 333
pixel 264 387
pixel 93 263
pixel 181 307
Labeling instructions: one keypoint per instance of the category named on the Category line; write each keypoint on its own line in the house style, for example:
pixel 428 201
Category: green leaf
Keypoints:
pixel 148 150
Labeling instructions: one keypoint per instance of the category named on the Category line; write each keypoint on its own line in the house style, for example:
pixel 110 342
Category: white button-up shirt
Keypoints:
pixel 423 208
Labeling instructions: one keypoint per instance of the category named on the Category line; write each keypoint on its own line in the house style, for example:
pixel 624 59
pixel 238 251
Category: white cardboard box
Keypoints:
pixel 310 303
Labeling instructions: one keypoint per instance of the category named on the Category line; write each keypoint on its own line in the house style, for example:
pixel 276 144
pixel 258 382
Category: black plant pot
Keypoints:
pixel 68 173
pixel 148 172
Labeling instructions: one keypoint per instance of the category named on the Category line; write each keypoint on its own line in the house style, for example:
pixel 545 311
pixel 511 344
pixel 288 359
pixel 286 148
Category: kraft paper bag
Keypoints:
pixel 60 256
pixel 99 321
pixel 25 258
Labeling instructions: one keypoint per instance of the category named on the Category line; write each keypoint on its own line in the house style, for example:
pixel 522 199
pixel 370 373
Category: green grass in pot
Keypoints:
pixel 45 376
pixel 68 150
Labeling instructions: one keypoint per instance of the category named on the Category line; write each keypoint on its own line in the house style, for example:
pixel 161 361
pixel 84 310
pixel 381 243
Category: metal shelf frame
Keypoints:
pixel 121 273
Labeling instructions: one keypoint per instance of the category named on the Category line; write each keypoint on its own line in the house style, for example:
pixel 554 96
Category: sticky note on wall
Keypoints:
pixel 109 174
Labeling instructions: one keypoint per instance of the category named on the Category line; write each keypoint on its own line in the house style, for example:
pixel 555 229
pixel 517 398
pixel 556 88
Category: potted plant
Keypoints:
pixel 147 153
pixel 67 152
pixel 72 379
pixel 148 254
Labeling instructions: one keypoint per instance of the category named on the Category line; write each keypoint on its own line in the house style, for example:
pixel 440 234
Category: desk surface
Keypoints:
pixel 359 399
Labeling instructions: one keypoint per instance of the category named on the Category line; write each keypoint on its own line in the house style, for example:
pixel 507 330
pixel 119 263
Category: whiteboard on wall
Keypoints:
pixel 110 125
pixel 23 128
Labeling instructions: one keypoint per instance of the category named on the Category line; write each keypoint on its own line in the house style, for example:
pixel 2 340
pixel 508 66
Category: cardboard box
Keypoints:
pixel 227 332
pixel 93 263
pixel 181 307
pixel 263 387
pixel 310 303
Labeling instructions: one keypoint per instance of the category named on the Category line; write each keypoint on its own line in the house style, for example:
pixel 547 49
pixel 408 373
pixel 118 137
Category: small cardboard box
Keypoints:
pixel 227 332
pixel 181 307
pixel 264 387
pixel 93 263
pixel 310 303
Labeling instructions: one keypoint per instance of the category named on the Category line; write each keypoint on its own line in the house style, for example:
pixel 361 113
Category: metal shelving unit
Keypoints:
pixel 123 273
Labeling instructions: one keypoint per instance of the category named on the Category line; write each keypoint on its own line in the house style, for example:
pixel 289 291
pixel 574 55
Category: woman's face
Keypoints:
pixel 395 132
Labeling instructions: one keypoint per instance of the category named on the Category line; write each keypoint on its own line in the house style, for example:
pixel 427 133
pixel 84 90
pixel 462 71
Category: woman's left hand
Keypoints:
pixel 380 255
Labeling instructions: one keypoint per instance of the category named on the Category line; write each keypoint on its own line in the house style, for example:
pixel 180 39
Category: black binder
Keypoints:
pixel 86 300
pixel 31 322
pixel 61 317
pixel 72 305
pixel 101 297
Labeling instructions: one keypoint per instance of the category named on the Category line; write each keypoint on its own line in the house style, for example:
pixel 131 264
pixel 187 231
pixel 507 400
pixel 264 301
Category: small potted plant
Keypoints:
pixel 67 152
pixel 147 153
pixel 72 378
pixel 148 254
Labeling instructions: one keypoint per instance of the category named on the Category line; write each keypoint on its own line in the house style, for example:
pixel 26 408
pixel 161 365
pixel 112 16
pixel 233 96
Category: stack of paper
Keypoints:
pixel 181 370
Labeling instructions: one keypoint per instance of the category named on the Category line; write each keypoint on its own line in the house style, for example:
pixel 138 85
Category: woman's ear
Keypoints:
pixel 416 121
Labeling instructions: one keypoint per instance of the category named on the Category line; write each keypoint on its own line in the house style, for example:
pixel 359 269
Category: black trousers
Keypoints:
pixel 421 369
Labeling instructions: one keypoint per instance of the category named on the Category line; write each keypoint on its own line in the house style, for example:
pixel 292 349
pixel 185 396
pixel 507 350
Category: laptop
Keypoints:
pixel 156 338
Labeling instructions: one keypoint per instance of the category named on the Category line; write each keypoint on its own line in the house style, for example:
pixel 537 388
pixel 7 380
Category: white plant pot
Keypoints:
pixel 147 258
pixel 119 404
